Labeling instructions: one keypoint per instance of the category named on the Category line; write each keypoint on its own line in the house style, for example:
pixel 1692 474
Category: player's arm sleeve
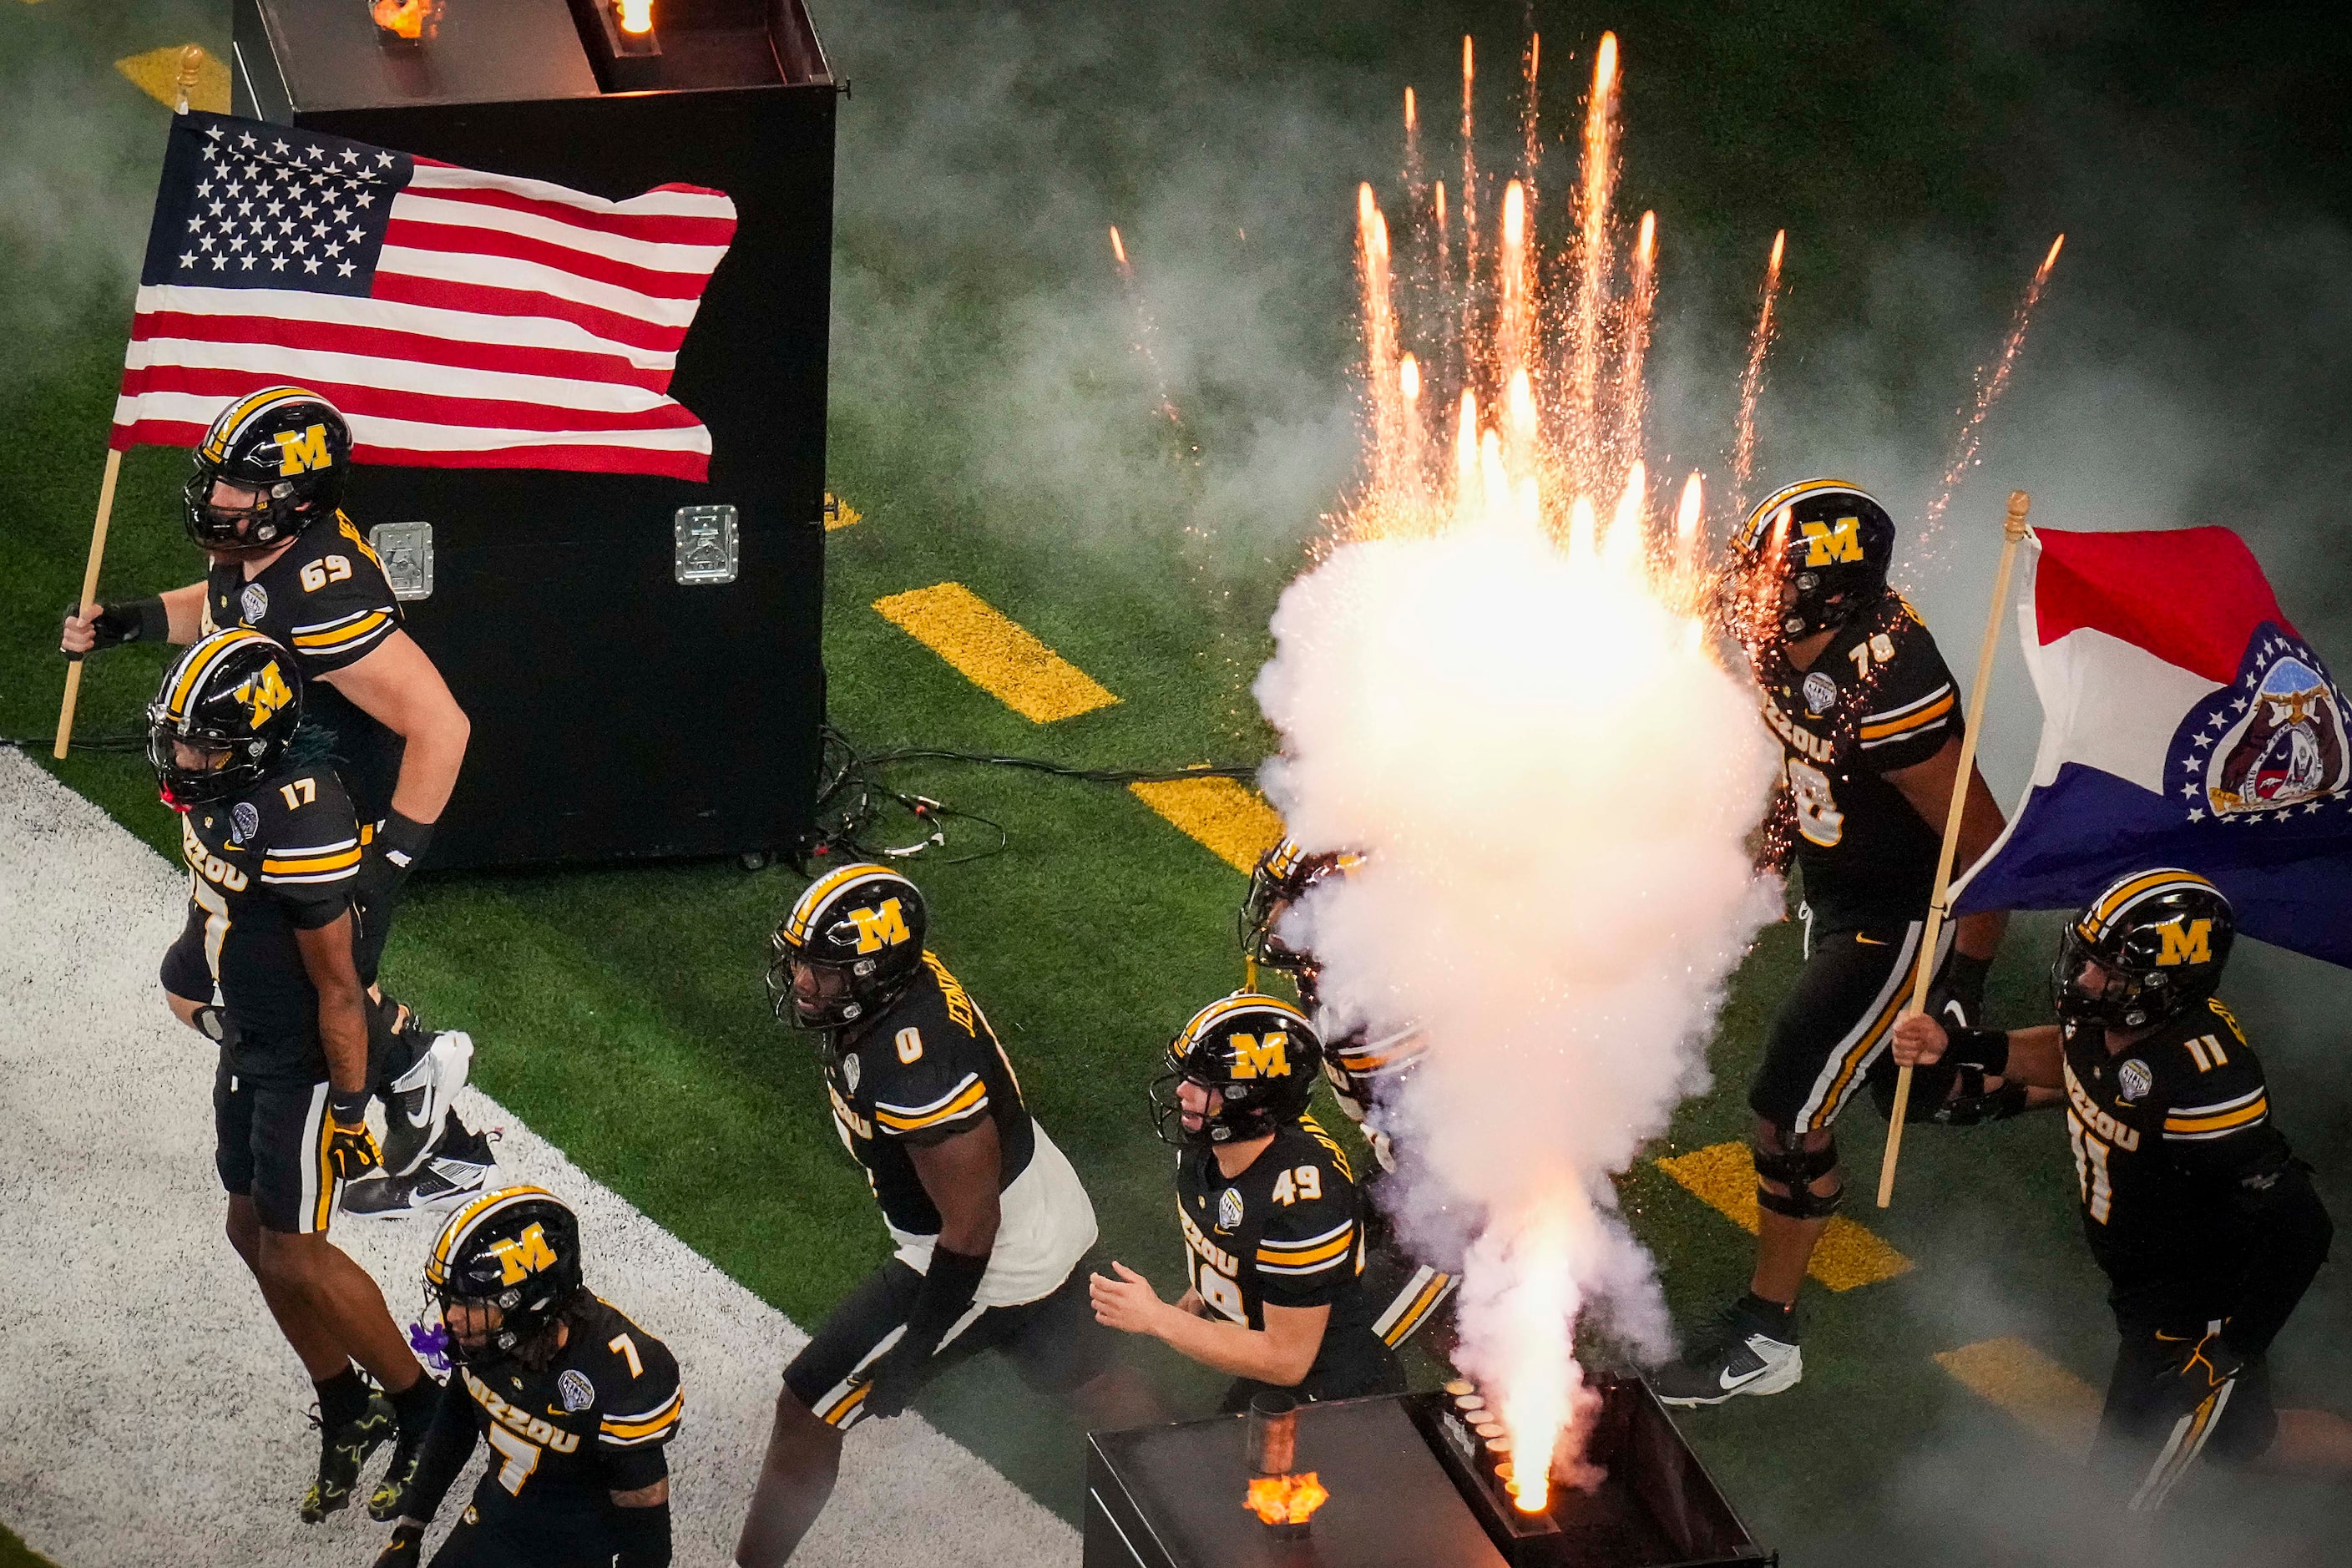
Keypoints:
pixel 1911 705
pixel 448 1443
pixel 638 1417
pixel 2219 1130
pixel 312 859
pixel 342 620
pixel 930 1087
pixel 1308 1253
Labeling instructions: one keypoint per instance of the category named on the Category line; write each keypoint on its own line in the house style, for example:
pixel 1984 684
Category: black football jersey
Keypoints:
pixel 2163 1134
pixel 1876 700
pixel 278 860
pixel 563 1438
pixel 1364 1068
pixel 1286 1231
pixel 327 600
pixel 926 1068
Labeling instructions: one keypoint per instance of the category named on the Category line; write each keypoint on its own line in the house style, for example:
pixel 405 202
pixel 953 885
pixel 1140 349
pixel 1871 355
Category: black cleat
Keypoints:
pixel 1742 1353
pixel 342 1451
pixel 390 1498
pixel 459 1169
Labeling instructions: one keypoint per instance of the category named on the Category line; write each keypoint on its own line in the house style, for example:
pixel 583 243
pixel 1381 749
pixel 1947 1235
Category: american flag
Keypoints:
pixel 458 319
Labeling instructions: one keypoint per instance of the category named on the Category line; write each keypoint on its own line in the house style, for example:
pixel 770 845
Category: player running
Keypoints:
pixel 1272 1236
pixel 1365 1067
pixel 1869 722
pixel 263 502
pixel 272 852
pixel 990 1220
pixel 2205 1223
pixel 577 1402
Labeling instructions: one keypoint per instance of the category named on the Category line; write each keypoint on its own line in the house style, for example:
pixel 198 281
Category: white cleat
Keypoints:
pixel 416 1104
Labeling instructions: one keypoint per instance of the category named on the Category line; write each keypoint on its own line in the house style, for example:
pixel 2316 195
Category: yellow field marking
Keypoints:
pixel 156 73
pixel 839 513
pixel 1233 819
pixel 2049 1400
pixel 1724 1177
pixel 994 653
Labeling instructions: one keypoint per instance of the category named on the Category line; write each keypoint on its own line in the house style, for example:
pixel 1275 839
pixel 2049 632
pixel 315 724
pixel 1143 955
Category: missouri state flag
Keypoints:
pixel 458 319
pixel 2185 723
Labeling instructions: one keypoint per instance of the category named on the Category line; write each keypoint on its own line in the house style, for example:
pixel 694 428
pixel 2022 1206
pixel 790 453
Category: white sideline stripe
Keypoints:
pixel 156 1417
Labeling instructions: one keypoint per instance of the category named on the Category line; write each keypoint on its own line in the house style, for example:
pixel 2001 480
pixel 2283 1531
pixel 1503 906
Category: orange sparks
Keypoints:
pixel 1752 380
pixel 1441 203
pixel 1118 247
pixel 1592 255
pixel 1409 118
pixel 1286 1500
pixel 1409 378
pixel 1991 381
pixel 1633 337
pixel 636 15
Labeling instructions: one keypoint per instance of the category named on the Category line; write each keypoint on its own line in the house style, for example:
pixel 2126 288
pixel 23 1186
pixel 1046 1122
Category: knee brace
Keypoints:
pixel 1797 1169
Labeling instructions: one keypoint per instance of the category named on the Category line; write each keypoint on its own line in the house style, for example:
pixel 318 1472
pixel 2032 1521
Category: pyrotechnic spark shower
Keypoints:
pixel 1479 649
pixel 1991 381
pixel 1751 382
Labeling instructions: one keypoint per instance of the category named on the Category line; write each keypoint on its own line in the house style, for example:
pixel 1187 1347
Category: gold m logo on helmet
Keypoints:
pixel 1829 541
pixel 878 929
pixel 1266 1058
pixel 266 693
pixel 2186 941
pixel 524 1255
pixel 298 452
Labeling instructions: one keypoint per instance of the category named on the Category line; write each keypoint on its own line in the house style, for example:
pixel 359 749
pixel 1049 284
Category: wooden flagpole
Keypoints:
pixel 2012 531
pixel 192 59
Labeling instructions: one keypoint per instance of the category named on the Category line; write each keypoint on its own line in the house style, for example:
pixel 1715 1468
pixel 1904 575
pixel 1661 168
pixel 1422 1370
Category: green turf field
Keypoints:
pixel 996 429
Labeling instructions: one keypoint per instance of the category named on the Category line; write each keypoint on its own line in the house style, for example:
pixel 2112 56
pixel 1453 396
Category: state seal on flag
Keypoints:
pixel 2274 739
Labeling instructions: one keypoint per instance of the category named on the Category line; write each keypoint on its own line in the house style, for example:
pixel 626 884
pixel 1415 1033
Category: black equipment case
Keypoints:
pixel 630 696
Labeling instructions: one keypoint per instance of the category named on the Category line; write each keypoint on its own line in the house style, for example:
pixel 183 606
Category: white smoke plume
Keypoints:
pixel 1553 779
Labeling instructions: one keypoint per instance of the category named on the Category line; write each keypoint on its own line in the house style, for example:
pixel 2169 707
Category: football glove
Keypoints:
pixel 352 1151
pixel 141 620
pixel 404 1550
pixel 1955 999
pixel 393 854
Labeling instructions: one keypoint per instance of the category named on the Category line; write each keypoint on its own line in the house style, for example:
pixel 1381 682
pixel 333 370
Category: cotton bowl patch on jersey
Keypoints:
pixel 1229 1209
pixel 244 821
pixel 1821 693
pixel 849 1070
pixel 2133 1079
pixel 577 1392
pixel 2277 738
pixel 254 602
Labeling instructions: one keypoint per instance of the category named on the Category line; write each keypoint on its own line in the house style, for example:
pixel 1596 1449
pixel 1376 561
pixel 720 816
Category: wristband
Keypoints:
pixel 402 841
pixel 351 1110
pixel 1987 1049
pixel 640 1535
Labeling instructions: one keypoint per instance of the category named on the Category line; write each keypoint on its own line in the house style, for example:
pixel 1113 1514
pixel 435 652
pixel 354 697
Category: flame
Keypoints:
pixel 1545 431
pixel 1118 248
pixel 1408 112
pixel 1752 380
pixel 1286 1500
pixel 636 15
pixel 403 18
pixel 1991 381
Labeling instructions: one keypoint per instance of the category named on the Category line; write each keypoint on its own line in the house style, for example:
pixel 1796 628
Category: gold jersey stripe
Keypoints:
pixel 1925 716
pixel 668 1416
pixel 994 652
pixel 2238 1117
pixel 1274 1252
pixel 1723 1176
pixel 276 867
pixel 1230 819
pixel 2044 1397
pixel 962 1105
pixel 325 642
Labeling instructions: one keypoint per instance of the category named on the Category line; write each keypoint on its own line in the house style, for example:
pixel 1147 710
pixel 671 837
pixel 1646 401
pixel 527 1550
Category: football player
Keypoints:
pixel 575 1401
pixel 1869 723
pixel 1365 1067
pixel 272 851
pixel 263 503
pixel 2205 1223
pixel 988 1218
pixel 1272 1235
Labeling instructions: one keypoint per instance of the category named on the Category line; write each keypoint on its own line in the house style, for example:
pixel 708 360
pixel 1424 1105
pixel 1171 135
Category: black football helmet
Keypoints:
pixel 236 696
pixel 1259 1052
pixel 1281 878
pixel 863 922
pixel 517 1249
pixel 1830 540
pixel 2161 937
pixel 288 444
